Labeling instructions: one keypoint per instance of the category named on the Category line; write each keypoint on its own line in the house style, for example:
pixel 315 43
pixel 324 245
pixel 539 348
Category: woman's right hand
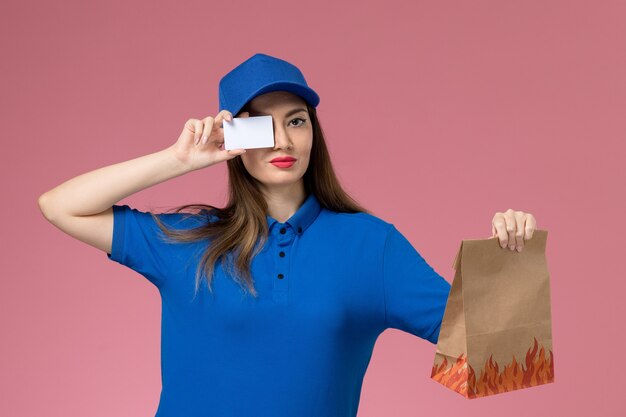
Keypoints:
pixel 201 143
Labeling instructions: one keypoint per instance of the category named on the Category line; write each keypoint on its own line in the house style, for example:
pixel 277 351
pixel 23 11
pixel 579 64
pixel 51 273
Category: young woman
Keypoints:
pixel 272 304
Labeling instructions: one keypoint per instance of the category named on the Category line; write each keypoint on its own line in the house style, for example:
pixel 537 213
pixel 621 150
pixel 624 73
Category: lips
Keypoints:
pixel 283 159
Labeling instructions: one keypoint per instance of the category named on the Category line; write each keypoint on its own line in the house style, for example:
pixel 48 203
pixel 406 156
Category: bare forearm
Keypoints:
pixel 97 190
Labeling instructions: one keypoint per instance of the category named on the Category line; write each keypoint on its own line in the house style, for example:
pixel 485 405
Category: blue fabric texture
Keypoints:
pixel 328 285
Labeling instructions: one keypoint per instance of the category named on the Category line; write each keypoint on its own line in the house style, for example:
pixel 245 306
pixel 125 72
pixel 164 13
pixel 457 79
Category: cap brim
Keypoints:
pixel 307 93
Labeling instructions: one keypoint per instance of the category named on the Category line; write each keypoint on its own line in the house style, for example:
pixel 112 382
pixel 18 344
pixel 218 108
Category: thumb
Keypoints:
pixel 231 153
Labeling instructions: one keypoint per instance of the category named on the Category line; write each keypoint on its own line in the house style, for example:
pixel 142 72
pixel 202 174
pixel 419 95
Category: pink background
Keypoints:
pixel 437 114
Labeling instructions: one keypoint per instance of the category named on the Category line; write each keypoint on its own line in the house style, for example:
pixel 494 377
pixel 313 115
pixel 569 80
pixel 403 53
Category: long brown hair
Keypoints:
pixel 241 228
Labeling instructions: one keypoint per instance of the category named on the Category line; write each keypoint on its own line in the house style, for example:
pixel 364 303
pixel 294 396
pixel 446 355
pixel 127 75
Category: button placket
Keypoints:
pixel 284 242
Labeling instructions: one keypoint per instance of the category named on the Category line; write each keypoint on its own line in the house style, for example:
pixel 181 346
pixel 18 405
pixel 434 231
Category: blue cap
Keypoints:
pixel 261 74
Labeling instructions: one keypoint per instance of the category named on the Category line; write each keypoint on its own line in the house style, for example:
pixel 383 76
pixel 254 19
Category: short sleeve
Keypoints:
pixel 415 294
pixel 139 243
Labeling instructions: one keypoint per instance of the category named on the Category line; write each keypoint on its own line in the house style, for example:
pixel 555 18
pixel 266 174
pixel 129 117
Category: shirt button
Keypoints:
pixel 282 230
pixel 280 276
pixel 281 254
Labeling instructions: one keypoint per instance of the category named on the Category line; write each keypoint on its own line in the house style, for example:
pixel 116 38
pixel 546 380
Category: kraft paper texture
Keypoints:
pixel 496 333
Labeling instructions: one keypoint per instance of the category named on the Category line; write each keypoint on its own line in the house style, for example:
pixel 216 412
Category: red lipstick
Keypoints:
pixel 283 161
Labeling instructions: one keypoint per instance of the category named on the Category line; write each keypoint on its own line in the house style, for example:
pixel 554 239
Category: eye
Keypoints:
pixel 297 118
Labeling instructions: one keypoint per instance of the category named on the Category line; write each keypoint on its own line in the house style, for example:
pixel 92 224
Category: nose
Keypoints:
pixel 281 138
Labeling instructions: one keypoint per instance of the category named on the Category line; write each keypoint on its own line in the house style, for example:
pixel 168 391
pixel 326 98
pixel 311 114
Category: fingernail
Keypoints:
pixel 204 139
pixel 519 248
pixel 503 245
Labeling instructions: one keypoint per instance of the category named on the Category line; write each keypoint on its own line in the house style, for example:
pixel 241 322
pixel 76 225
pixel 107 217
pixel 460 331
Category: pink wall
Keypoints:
pixel 469 107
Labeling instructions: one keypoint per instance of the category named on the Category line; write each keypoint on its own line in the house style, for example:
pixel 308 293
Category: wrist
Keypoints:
pixel 175 164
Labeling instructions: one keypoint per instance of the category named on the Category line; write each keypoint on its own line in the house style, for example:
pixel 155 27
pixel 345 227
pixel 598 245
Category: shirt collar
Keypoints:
pixel 303 217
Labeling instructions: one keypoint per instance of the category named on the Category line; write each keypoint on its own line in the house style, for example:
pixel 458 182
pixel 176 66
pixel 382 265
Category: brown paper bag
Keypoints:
pixel 496 333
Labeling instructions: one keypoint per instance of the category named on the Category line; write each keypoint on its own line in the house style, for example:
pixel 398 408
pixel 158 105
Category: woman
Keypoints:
pixel 324 277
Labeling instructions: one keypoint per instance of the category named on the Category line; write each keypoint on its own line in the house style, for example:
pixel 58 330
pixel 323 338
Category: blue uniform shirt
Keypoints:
pixel 328 285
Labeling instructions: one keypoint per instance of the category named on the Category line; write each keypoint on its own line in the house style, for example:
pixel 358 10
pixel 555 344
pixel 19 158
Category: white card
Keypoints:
pixel 248 132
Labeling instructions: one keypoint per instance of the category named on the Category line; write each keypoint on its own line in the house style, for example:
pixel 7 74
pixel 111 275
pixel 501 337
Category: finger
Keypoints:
pixel 221 116
pixel 530 226
pixel 208 126
pixel 235 152
pixel 217 128
pixel 244 114
pixel 520 217
pixel 198 126
pixel 509 218
pixel 500 226
pixel 209 123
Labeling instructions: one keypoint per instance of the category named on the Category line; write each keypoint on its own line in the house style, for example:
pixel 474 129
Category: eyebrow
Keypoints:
pixel 289 113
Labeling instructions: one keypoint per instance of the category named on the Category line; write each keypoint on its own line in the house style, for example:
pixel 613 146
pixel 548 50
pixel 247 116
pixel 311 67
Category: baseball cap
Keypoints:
pixel 260 74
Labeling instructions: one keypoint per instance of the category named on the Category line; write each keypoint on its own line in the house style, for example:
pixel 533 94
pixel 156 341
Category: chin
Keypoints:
pixel 285 179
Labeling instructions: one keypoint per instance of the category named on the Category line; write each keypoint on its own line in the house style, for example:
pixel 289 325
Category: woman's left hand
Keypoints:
pixel 512 228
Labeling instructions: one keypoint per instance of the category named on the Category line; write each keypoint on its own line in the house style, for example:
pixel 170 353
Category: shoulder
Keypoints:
pixel 360 221
pixel 189 220
pixel 175 220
